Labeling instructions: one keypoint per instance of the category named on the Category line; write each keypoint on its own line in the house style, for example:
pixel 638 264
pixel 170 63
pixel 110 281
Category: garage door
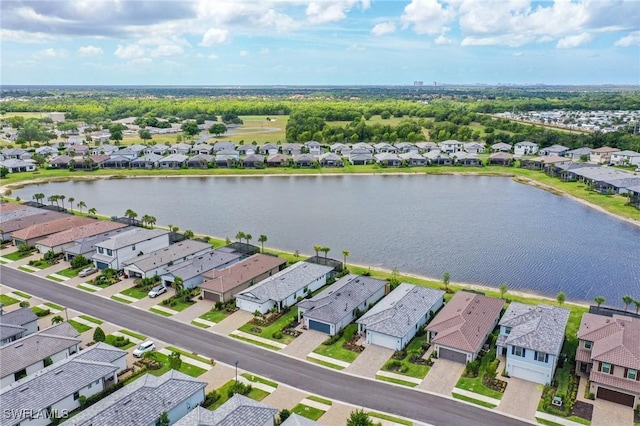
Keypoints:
pixel 208 295
pixel 613 396
pixel 102 265
pixel 452 355
pixel 320 326
pixel 530 375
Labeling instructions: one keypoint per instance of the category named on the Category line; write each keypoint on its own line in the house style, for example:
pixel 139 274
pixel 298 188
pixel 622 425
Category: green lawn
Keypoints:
pixel 159 312
pixel 259 379
pixel 188 369
pixel 410 369
pixel 475 384
pixel 16 255
pixel 255 342
pixel 37 310
pixel 308 412
pixel 121 300
pixel 81 328
pixel 89 289
pixel 25 269
pixel 389 418
pixel 396 381
pixel 178 305
pixel 21 294
pixel 214 316
pixel 54 306
pixel 197 324
pixel 109 339
pixel 336 350
pixel 320 400
pixel 54 278
pixel 473 400
pixel 276 326
pixel 135 293
pixel 547 422
pixel 41 264
pixel 132 334
pixel 189 354
pixel 223 391
pixel 7 300
pixel 257 394
pixel 91 319
pixel 70 272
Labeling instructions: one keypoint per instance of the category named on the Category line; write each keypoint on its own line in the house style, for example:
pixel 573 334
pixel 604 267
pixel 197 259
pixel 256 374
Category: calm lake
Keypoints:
pixel 485 230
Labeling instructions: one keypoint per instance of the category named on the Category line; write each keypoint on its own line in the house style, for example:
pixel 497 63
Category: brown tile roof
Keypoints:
pixel 465 321
pixel 227 279
pixel 73 234
pixel 26 221
pixel 611 380
pixel 51 227
pixel 9 207
pixel 605 149
pixel 583 355
pixel 616 339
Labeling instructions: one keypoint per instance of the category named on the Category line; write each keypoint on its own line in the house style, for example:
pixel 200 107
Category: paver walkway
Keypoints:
pixel 315 404
pixel 58 277
pixel 442 377
pixel 305 343
pixel 257 385
pixel 521 398
pixel 125 297
pixel 233 322
pixel 95 288
pixel 204 322
pixel 370 361
pixel 194 311
pixel 607 413
pixel 162 308
pixel 86 322
pixel 250 336
pixel 284 397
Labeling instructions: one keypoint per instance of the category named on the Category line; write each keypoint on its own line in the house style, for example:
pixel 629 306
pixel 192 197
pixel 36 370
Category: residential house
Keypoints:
pixel 462 158
pixel 438 158
pixel 78 150
pixel 525 148
pixel 117 249
pixel 426 146
pixel 16 324
pixel 17 166
pixel 203 148
pixel 48 151
pixel 531 338
pixel 11 211
pixel 278 160
pixel 292 149
pixel 388 160
pixel 473 148
pixel 180 148
pixel 363 145
pixel 60 162
pixel 608 351
pixel 501 147
pixel 246 149
pixel 34 233
pixel 131 152
pixel 501 158
pixel 405 147
pixel 253 161
pixel 237 410
pixel 158 149
pixel 200 161
pixel 383 147
pixel 341 303
pixel 221 285
pixel 13 225
pixel 157 262
pixel 577 154
pixel 634 196
pixel 463 325
pixel 16 154
pixel 304 160
pixel 173 161
pixel 330 159
pixel 282 289
pixel 104 150
pixel 269 149
pixel 191 270
pixel 554 150
pixel 626 158
pixel 540 163
pixel 86 246
pixel 360 157
pixel 602 154
pixel 396 319
pixel 144 400
pixel 147 161
pixel 313 147
pixel 34 352
pixel 227 158
pixel 59 241
pixel 57 389
pixel 340 149
pixel 79 140
pixel 451 146
pixel 224 146
pixel 116 162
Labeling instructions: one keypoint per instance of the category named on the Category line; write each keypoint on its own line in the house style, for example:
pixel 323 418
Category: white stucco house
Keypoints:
pixel 525 148
pixel 113 252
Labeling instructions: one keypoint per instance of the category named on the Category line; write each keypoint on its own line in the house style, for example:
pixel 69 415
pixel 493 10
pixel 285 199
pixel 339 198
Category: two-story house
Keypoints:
pixel 451 146
pixel 608 351
pixel 531 338
pixel 112 252
pixel 525 148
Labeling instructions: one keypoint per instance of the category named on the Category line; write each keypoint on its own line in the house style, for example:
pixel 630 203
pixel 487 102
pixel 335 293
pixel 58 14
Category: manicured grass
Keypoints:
pixel 276 326
pixel 91 319
pixel 336 350
pixel 308 412
pixel 121 300
pixel 89 289
pixel 214 316
pixel 54 278
pixel 21 294
pixel 579 420
pixel 159 312
pixel 70 272
pixel 54 306
pixel 41 264
pixel 473 401
pixel 7 300
pixel 189 354
pixel 132 334
pixel 547 422
pixel 259 379
pixel 16 255
pixel 188 369
pixel 412 370
pixel 25 269
pixel 326 364
pixel 257 394
pixel 223 391
pixel 197 324
pixel 37 310
pixel 389 418
pixel 475 384
pixel 109 339
pixel 396 381
pixel 135 293
pixel 254 342
pixel 320 400
pixel 81 328
pixel 178 305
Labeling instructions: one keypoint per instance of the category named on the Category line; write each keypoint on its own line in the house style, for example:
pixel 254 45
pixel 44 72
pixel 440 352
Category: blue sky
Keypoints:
pixel 319 42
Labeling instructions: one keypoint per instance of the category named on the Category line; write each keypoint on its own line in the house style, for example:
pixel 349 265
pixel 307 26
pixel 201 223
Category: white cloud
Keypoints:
pixel 24 36
pixel 426 16
pixel 322 11
pixel 51 53
pixel 167 50
pixel 516 54
pixel 90 51
pixel 383 28
pixel 442 40
pixel 574 41
pixel 632 39
pixel 243 53
pixel 131 51
pixel 356 46
pixel 215 36
pixel 140 61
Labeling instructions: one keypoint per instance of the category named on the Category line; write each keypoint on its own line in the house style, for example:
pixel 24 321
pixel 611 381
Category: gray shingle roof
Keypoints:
pixel 201 264
pixel 141 402
pixel 101 352
pixel 36 347
pixel 341 298
pixel 539 328
pixel 237 411
pixel 131 237
pixel 7 331
pixel 401 310
pixel 297 420
pixel 161 257
pixel 281 285
pixel 16 214
pixel 86 246
pixel 18 317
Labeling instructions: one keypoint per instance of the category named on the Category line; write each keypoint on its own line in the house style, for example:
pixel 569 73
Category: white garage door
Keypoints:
pixel 530 375
pixel 382 340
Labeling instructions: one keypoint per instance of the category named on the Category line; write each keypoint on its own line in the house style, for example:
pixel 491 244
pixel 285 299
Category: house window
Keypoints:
pixel 100 250
pixel 541 357
pixel 606 368
pixel 517 351
pixel 507 330
pixel 20 374
pixel 588 344
pixel 109 252
pixel 133 247
pixel 76 396
pixel 632 374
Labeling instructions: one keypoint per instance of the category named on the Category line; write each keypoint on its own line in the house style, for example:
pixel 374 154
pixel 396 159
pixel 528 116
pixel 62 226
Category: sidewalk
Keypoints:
pixel 262 340
pixel 328 360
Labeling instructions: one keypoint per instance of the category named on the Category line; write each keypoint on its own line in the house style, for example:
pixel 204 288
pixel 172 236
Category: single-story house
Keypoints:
pixel 438 158
pixel 105 150
pixel 531 338
pixel 278 160
pixel 292 149
pixel 224 146
pixel 117 249
pixel 48 151
pixel 60 162
pixel 34 233
pixel 59 241
pixel 80 150
pixel 388 159
pixel 221 285
pixel 237 410
pixel 144 400
pixel 413 158
pixel 200 161
pixel 360 157
pixel 473 147
pixel 383 147
pixel 465 159
pixel 17 324
pixel 363 145
pixel 131 152
pixel 180 148
pixel 116 162
pixel 554 150
pixel 173 161
pixel 203 148
pixel 501 147
pixel 158 149
pixel 304 160
pixel 404 147
pixel 396 319
pixel 426 146
pixel 341 303
pixel 147 161
pixel 269 148
pixel 501 158
pixel 17 165
pixel 253 161
pixel 247 149
pixel 157 262
pixel 23 222
pixel 227 158
pixel 191 270
pixel 577 154
pixel 463 325
pixel 330 159
pixel 525 148
pixel 15 153
pixel 282 289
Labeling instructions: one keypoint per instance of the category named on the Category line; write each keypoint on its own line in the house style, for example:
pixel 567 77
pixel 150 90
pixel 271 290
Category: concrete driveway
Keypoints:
pixel 370 361
pixel 284 397
pixel 442 377
pixel 521 398
pixel 147 302
pixel 194 311
pixel 305 343
pixel 607 413
pixel 232 322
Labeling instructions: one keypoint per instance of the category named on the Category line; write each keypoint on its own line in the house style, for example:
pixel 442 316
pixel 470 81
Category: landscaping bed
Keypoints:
pixel 7 300
pixel 17 255
pixel 135 293
pixel 410 362
pixel 340 346
pixel 272 325
pixel 473 379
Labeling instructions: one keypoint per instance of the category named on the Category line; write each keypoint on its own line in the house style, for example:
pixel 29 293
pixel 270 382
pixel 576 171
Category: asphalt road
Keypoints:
pixel 302 375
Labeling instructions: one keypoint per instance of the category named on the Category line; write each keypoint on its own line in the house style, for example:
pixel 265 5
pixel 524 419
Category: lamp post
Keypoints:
pixel 236 371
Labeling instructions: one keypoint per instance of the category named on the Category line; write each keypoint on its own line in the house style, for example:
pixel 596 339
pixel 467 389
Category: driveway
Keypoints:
pixel 370 361
pixel 194 311
pixel 338 414
pixel 442 377
pixel 607 413
pixel 232 322
pixel 116 288
pixel 284 397
pixel 305 343
pixel 521 398
pixel 147 302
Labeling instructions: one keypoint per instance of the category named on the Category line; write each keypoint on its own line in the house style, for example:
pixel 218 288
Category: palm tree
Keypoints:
pixel 240 236
pixel 61 198
pixel 599 300
pixel 446 278
pixel 345 254
pixel 131 215
pixel 178 285
pixel 38 197
pixel 248 237
pixel 151 221
pixel 92 211
pixel 326 251
pixel 175 229
pixel 262 239
pixel 57 320
pixel 189 234
pixel 52 198
pixel 503 289
pixel 317 249
pixel 627 300
pixel 82 205
pixel 561 297
pixel 637 303
pixel 145 219
pixel 71 200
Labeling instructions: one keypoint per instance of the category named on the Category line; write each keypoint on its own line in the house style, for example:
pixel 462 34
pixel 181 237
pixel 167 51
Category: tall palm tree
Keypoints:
pixel 151 221
pixel 317 249
pixel 240 236
pixel 178 285
pixel 345 254
pixel 326 251
pixel 189 234
pixel 38 197
pixel 599 300
pixel 248 237
pixel 52 198
pixel 71 200
pixel 637 303
pixel 92 211
pixel 61 198
pixel 145 219
pixel 627 300
pixel 262 239
pixel 82 205
pixel 131 215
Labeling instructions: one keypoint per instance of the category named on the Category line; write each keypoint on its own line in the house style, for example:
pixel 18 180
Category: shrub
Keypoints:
pixel 277 335
pixel 210 398
pixel 24 304
pixel 98 335
pixel 349 333
pixel 219 305
pixel 79 261
pixel 239 387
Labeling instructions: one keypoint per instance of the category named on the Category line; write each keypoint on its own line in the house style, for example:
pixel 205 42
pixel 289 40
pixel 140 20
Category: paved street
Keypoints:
pixel 302 375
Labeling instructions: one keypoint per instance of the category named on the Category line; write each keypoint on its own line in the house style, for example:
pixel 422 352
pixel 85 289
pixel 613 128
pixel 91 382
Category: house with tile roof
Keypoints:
pixel 59 241
pixel 396 319
pixel 341 303
pixel 86 246
pixel 191 270
pixel 609 352
pixel 16 324
pixel 112 252
pixel 157 262
pixel 13 225
pixel 602 154
pixel 531 338
pixel 143 401
pixel 463 325
pixel 238 410
pixel 35 233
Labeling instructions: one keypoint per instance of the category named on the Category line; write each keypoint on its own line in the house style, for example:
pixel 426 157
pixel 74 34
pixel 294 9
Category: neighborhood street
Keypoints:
pixel 302 375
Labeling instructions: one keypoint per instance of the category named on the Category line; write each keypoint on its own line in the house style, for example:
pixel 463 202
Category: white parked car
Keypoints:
pixel 144 347
pixel 157 291
pixel 87 271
